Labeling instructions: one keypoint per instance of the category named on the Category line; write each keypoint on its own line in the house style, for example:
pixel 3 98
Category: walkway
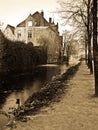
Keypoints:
pixel 78 109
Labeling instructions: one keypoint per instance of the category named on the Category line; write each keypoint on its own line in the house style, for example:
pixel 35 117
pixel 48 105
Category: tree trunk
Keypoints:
pixel 95 46
pixel 90 66
pixel 90 54
pixel 86 50
pixel 68 56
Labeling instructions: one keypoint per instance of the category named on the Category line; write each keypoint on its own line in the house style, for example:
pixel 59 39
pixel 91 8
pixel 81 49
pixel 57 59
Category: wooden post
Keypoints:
pixel 18 102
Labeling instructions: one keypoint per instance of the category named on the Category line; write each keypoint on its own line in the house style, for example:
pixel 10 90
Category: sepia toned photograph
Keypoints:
pixel 48 64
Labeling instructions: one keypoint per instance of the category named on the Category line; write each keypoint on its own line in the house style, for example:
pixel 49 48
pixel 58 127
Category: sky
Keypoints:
pixel 14 11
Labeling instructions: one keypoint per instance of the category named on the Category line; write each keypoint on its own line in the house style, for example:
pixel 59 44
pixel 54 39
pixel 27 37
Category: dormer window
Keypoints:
pixel 30 24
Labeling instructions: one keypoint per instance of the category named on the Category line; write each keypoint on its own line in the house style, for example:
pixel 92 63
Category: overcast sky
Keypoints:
pixel 14 11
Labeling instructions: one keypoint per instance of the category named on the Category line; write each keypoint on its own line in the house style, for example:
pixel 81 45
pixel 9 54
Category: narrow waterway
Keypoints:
pixel 25 87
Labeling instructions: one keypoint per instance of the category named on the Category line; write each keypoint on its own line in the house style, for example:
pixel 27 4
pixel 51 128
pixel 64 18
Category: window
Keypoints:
pixel 30 24
pixel 29 34
pixel 19 34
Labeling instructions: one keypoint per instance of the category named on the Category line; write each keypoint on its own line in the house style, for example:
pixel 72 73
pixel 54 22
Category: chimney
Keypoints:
pixel 42 13
pixel 50 20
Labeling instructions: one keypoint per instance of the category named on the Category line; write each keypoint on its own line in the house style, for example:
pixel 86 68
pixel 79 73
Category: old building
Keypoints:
pixel 10 32
pixel 37 30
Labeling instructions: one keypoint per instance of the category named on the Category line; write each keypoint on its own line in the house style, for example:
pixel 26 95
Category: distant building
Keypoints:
pixel 10 32
pixel 37 30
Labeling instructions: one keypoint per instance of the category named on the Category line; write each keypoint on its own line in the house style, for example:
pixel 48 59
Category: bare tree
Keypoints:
pixel 83 14
pixel 78 14
pixel 71 45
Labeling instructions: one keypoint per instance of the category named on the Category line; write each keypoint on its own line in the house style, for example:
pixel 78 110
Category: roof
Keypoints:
pixel 37 17
pixel 41 21
pixel 22 24
pixel 11 27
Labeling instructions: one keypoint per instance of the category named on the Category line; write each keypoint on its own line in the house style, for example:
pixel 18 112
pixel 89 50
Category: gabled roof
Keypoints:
pixel 22 24
pixel 37 17
pixel 40 21
pixel 11 27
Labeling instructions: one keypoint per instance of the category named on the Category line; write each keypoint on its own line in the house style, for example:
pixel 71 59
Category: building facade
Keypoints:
pixel 37 30
pixel 9 32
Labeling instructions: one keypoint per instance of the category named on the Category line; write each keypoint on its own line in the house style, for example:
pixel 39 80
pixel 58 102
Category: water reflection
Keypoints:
pixel 22 87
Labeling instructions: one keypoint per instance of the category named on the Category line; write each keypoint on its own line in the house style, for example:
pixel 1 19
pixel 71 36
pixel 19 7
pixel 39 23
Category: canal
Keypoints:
pixel 26 86
pixel 23 88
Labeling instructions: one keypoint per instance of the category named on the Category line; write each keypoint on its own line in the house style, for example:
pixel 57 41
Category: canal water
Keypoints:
pixel 26 86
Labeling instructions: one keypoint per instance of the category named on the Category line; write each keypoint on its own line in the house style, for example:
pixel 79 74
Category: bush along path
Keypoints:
pixel 51 92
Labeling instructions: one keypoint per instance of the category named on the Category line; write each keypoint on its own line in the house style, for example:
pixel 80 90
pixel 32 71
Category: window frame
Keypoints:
pixel 29 34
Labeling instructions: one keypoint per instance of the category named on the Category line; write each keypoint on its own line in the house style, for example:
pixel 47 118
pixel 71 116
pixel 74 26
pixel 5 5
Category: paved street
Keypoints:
pixel 77 110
